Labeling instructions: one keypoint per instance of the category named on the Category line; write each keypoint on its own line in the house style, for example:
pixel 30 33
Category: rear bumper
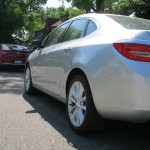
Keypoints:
pixel 12 62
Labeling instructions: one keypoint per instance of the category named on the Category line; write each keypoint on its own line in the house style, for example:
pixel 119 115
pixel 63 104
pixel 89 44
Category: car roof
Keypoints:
pixel 96 15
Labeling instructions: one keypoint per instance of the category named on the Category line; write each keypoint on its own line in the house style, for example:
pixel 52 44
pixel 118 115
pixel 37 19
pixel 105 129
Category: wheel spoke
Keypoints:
pixel 74 93
pixel 83 108
pixel 81 116
pixel 74 115
pixel 72 109
pixel 72 99
pixel 77 117
pixel 80 91
pixel 77 89
pixel 83 99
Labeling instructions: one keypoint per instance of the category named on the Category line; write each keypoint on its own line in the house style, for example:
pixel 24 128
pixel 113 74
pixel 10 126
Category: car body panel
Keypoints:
pixel 40 73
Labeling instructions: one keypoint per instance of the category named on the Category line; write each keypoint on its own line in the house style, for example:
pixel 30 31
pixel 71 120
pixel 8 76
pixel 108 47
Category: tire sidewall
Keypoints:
pixel 29 91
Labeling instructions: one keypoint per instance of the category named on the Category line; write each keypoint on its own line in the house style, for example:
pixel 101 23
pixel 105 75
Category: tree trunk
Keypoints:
pixel 99 5
pixel 27 5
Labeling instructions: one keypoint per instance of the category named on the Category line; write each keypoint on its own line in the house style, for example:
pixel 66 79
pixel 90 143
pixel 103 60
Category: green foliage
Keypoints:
pixel 126 7
pixel 23 17
pixel 51 12
pixel 88 5
pixel 62 13
pixel 11 19
pixel 142 8
pixel 16 15
pixel 83 4
pixel 73 12
pixel 33 21
pixel 123 7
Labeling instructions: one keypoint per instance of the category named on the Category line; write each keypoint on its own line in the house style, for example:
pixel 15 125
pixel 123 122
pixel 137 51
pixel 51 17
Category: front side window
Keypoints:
pixel 55 36
pixel 75 30
pixel 91 27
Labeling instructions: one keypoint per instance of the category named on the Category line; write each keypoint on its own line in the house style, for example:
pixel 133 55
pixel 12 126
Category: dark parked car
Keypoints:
pixel 11 54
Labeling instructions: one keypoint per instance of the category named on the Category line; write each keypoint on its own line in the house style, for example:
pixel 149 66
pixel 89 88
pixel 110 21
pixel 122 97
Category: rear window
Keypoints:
pixel 14 47
pixel 132 23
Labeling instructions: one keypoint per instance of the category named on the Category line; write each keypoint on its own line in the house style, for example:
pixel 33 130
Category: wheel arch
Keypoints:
pixel 27 64
pixel 93 122
pixel 72 74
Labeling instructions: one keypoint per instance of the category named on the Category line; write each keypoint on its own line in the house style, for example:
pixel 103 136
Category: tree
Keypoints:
pixel 10 20
pixel 13 15
pixel 141 8
pixel 88 5
pixel 62 13
pixel 126 7
pixel 73 12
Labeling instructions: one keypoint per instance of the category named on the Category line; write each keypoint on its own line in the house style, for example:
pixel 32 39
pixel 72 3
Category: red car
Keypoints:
pixel 11 54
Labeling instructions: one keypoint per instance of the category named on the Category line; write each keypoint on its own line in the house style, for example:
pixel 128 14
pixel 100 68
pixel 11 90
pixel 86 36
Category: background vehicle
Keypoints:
pixel 99 65
pixel 11 54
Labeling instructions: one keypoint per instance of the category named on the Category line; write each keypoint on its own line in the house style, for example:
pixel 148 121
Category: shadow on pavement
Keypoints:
pixel 11 80
pixel 115 136
pixel 12 69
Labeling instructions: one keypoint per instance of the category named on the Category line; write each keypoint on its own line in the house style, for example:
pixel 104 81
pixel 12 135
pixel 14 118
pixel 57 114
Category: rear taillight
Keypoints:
pixel 139 52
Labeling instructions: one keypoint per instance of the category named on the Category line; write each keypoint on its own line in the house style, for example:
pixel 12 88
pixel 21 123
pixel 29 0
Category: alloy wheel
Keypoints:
pixel 77 104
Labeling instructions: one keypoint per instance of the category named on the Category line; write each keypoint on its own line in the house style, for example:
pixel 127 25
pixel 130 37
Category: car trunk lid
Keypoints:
pixel 14 51
pixel 15 54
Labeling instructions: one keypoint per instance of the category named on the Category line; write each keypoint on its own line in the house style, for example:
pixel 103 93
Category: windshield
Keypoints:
pixel 132 23
pixel 14 47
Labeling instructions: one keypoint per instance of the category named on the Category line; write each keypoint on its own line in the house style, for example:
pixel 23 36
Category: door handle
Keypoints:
pixel 68 50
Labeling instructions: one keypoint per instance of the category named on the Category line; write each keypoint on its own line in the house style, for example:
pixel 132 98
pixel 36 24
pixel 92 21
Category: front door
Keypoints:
pixel 39 68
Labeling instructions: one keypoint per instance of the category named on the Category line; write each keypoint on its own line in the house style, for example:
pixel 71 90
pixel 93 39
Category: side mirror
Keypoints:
pixel 36 44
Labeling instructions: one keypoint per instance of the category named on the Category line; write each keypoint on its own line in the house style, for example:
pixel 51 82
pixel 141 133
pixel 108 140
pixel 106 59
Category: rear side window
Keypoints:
pixel 132 23
pixel 91 28
pixel 75 30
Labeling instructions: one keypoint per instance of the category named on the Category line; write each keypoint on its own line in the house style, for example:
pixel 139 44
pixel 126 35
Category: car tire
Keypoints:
pixel 28 86
pixel 82 114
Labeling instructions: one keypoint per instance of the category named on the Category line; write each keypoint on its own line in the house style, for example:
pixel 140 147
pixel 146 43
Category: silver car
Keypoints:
pixel 99 65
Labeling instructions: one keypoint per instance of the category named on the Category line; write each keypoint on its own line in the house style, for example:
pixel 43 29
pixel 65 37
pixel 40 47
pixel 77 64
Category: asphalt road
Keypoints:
pixel 40 123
